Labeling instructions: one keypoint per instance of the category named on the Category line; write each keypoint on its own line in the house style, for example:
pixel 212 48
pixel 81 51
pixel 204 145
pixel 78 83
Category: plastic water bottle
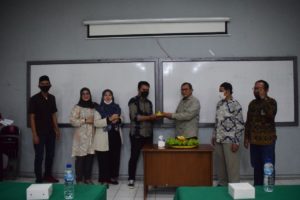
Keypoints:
pixel 268 176
pixel 69 182
pixel 161 142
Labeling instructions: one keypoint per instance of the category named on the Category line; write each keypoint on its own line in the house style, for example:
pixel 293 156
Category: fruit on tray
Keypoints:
pixel 182 141
pixel 181 138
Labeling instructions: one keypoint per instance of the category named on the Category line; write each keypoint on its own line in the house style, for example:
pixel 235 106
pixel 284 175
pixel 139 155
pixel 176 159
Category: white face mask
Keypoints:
pixel 222 96
pixel 108 102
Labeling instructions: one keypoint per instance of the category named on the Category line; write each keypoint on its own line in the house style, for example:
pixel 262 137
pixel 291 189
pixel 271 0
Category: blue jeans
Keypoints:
pixel 258 155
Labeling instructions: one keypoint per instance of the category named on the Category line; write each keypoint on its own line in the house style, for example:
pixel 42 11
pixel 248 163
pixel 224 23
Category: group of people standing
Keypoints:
pixel 259 133
pixel 97 131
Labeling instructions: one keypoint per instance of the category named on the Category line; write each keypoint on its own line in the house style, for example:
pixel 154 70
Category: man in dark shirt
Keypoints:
pixel 141 129
pixel 43 121
pixel 260 131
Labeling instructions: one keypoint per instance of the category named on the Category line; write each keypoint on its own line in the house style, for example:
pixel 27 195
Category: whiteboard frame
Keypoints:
pixel 295 122
pixel 55 62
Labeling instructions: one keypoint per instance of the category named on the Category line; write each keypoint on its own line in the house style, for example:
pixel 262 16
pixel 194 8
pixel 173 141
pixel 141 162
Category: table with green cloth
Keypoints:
pixel 17 191
pixel 281 192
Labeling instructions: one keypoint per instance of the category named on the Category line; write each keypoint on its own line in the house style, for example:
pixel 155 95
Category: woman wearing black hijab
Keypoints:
pixel 108 138
pixel 107 108
pixel 82 118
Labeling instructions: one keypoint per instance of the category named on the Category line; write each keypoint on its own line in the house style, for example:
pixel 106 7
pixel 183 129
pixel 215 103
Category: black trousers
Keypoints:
pixel 47 143
pixel 114 153
pixel 103 166
pixel 136 147
pixel 1 166
pixel 84 167
pixel 258 155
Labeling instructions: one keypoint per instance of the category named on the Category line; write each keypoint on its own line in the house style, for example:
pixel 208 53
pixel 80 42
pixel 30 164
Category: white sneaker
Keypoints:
pixel 131 184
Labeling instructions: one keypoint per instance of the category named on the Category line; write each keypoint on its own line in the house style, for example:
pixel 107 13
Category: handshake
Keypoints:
pixel 158 115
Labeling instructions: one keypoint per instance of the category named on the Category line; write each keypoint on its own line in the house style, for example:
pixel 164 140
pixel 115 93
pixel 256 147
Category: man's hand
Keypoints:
pixel 246 143
pixel 35 139
pixel 213 141
pixel 57 133
pixel 152 117
pixel 55 125
pixel 167 115
pixel 234 147
pixel 146 117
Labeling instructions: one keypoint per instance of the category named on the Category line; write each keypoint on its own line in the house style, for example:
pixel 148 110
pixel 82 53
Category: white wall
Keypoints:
pixel 53 30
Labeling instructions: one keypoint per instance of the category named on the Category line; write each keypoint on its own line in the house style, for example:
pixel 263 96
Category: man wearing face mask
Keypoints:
pixel 187 113
pixel 229 127
pixel 260 131
pixel 141 126
pixel 43 122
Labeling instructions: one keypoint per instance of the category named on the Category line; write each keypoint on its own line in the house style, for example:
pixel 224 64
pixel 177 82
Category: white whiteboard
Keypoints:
pixel 206 77
pixel 67 80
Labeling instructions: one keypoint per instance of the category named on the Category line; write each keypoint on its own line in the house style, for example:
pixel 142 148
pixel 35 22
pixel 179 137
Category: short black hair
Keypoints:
pixel 187 83
pixel 141 83
pixel 227 86
pixel 44 78
pixel 266 84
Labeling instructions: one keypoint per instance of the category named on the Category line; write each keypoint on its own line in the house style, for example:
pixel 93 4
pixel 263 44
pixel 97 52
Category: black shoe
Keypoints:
pixel 105 184
pixel 50 179
pixel 131 184
pixel 114 181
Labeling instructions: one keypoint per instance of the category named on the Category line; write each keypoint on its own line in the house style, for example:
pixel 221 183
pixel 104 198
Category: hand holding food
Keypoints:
pixel 159 114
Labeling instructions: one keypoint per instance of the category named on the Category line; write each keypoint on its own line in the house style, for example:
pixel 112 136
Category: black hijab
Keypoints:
pixel 106 110
pixel 85 104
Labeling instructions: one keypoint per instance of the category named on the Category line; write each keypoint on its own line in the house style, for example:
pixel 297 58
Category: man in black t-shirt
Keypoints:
pixel 43 121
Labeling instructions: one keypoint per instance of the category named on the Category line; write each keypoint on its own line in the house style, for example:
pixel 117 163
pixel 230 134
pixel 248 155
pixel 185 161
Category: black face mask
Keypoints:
pixel 45 88
pixel 144 94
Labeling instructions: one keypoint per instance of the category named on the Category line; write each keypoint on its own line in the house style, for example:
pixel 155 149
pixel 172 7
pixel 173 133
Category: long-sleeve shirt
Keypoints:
pixel 260 125
pixel 187 117
pixel 84 133
pixel 140 106
pixel 229 125
pixel 100 142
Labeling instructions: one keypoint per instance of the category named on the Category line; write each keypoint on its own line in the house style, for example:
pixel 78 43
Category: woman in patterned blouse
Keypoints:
pixel 82 118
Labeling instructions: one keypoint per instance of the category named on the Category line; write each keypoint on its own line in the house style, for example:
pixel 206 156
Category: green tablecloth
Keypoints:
pixel 17 191
pixel 282 192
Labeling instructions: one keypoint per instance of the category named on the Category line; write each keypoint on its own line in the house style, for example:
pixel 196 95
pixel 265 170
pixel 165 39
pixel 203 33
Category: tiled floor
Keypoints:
pixel 123 192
